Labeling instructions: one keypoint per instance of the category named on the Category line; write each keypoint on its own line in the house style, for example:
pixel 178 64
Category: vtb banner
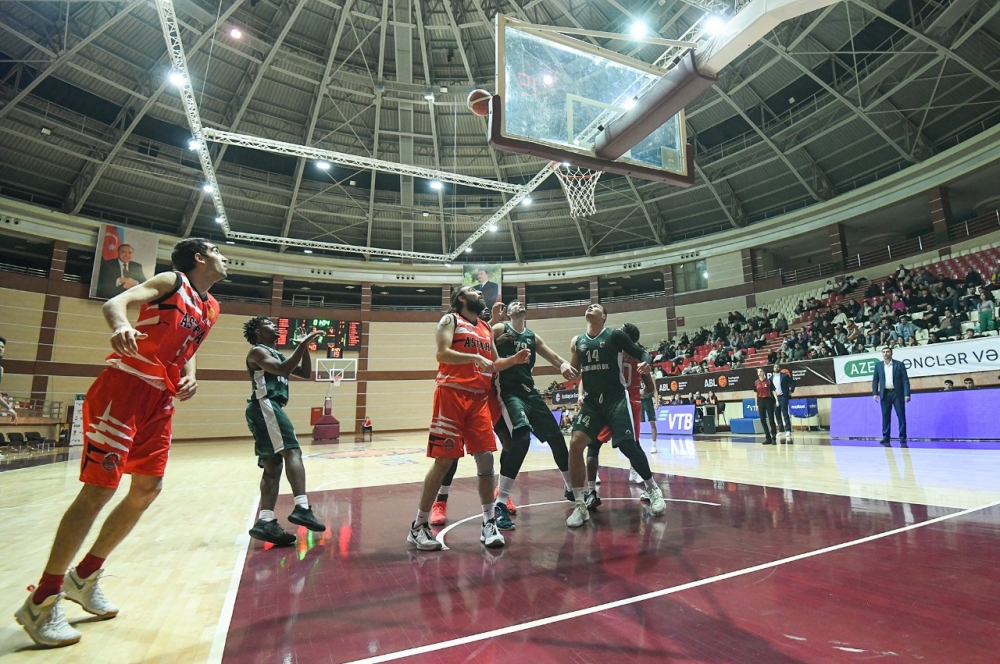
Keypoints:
pixel 953 357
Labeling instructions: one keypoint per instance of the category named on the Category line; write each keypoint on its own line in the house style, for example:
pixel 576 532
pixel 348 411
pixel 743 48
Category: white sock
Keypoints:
pixel 592 485
pixel 487 512
pixel 443 491
pixel 266 515
pixel 578 494
pixel 302 501
pixel 650 483
pixel 504 487
pixel 565 476
pixel 422 517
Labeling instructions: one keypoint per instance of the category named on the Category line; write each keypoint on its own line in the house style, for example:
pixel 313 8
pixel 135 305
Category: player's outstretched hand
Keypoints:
pixel 497 312
pixel 522 356
pixel 568 371
pixel 643 368
pixel 311 337
pixel 186 387
pixel 125 341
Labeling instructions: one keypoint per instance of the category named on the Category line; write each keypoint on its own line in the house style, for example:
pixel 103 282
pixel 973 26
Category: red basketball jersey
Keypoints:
pixel 475 338
pixel 174 325
pixel 631 378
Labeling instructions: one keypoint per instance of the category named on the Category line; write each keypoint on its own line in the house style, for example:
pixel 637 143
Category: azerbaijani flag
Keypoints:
pixel 113 237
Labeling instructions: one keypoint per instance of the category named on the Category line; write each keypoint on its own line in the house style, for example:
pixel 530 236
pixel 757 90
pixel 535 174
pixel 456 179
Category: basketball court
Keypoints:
pixel 812 552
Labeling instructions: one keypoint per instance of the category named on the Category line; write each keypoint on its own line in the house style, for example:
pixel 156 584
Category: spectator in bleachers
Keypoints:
pixel 973 279
pixel 800 308
pixel 986 310
pixel 781 324
pixel 969 384
pixel 926 278
pixel 949 386
pixel 901 272
pixel 874 290
pixel 970 334
pixel 848 285
pixel 932 338
pixel 904 330
pixel 948 326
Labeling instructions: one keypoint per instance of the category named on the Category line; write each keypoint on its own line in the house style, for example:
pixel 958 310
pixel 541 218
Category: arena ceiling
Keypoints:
pixel 824 104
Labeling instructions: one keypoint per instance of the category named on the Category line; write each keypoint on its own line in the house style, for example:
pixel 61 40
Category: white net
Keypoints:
pixel 579 185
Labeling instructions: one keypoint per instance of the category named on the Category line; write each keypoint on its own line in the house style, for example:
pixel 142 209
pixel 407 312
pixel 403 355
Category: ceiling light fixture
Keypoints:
pixel 715 24
pixel 194 144
pixel 638 30
pixel 236 33
pixel 307 251
pixel 208 188
pixel 323 165
pixel 526 200
pixel 437 185
pixel 493 228
pixel 176 78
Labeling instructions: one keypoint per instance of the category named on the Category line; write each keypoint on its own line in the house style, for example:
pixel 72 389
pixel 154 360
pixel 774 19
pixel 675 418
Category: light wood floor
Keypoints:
pixel 172 575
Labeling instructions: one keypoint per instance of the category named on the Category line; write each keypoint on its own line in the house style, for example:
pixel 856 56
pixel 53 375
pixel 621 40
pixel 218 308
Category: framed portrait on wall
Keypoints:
pixel 124 259
pixel 487 278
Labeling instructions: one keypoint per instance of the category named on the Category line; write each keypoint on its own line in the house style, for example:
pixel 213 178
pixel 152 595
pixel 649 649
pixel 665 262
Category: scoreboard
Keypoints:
pixel 338 335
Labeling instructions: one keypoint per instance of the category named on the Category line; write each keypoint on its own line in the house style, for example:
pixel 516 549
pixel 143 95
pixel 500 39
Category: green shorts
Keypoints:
pixel 272 430
pixel 617 416
pixel 528 409
pixel 648 411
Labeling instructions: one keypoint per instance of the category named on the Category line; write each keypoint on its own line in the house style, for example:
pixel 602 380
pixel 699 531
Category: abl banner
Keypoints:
pixel 954 357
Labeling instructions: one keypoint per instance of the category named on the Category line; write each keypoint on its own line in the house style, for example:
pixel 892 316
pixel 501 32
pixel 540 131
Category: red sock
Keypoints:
pixel 89 565
pixel 51 584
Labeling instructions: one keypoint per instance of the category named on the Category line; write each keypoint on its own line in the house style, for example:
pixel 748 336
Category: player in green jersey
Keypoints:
pixel 597 354
pixel 523 409
pixel 274 437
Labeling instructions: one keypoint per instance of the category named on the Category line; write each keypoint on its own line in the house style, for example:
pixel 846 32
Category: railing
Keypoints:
pixel 973 227
pixel 221 297
pixel 807 273
pixel 891 252
pixel 18 269
pixel 554 305
pixel 323 305
pixel 631 297
pixel 26 407
pixel 406 307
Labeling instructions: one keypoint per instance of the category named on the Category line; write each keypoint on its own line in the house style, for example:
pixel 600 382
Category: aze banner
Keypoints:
pixel 805 374
pixel 953 357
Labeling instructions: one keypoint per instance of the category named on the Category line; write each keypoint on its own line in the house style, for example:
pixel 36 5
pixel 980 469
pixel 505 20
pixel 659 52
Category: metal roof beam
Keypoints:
pixel 88 177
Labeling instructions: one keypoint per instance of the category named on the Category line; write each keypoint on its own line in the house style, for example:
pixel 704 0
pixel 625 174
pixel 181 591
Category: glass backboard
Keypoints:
pixel 562 92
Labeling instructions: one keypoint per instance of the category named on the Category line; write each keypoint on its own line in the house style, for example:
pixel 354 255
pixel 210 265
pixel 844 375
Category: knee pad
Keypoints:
pixel 484 464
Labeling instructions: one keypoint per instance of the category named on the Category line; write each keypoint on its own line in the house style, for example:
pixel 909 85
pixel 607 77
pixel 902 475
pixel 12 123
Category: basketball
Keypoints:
pixel 479 102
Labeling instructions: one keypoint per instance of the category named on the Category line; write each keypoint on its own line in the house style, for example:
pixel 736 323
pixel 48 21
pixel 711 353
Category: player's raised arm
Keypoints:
pixel 115 310
pixel 621 341
pixel 258 358
pixel 565 368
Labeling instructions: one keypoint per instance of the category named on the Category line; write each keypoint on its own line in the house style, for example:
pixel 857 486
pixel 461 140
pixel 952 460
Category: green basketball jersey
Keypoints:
pixel 268 385
pixel 602 374
pixel 517 377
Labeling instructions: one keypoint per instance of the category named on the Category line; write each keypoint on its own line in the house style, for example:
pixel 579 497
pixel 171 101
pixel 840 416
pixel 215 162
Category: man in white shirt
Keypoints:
pixel 891 387
pixel 783 388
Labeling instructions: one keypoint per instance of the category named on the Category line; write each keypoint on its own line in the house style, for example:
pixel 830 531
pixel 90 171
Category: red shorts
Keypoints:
pixel 636 407
pixel 461 423
pixel 126 429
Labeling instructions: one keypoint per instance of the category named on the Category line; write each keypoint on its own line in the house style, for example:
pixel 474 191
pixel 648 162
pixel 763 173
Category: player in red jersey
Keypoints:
pixel 637 386
pixel 127 426
pixel 461 420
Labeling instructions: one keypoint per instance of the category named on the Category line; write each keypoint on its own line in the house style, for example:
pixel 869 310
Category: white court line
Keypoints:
pixel 482 636
pixel 446 530
pixel 229 603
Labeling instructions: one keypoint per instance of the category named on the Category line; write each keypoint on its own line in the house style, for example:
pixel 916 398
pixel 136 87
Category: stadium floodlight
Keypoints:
pixel 176 78
pixel 323 165
pixel 236 33
pixel 638 30
pixel 437 185
pixel 715 24
pixel 493 228
pixel 208 188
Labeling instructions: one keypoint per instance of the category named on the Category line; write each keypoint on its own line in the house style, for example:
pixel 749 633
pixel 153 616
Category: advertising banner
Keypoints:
pixel 805 374
pixel 125 258
pixel 675 420
pixel 564 397
pixel 961 415
pixel 954 357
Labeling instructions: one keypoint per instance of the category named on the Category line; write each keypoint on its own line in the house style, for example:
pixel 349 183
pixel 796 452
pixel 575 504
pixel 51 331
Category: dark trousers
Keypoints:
pixel 893 399
pixel 784 419
pixel 765 407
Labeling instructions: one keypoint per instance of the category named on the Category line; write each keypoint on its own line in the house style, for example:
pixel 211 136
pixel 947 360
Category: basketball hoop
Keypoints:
pixel 579 185
pixel 337 377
